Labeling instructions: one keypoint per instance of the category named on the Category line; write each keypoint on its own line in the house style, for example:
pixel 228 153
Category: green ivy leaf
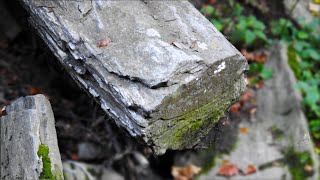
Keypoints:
pixel 261 35
pixel 266 73
pixel 207 10
pixel 249 37
pixel 302 35
pixel 217 24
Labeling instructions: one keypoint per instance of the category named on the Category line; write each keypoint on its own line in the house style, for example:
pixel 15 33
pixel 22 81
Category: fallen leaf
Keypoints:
pixel 260 58
pixel 186 172
pixel 3 111
pixel 259 85
pixel 235 108
pixel 104 42
pixel 250 169
pixel 228 170
pixel 254 56
pixel 74 156
pixel 34 91
pixel 248 55
pixel 244 130
pixel 246 96
pixel 212 2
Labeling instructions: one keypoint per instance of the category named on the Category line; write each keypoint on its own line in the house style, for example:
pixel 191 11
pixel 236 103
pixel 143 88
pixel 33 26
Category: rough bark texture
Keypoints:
pixel 29 148
pixel 167 75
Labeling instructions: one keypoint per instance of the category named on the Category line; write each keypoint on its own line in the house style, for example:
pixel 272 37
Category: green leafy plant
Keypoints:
pixel 304 60
pixel 241 29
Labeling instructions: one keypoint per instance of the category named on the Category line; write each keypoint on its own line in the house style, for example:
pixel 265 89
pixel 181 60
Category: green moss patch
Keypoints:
pixel 297 163
pixel 43 152
pixel 293 62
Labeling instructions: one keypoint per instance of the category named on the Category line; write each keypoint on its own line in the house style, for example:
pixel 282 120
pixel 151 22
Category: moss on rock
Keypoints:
pixel 43 152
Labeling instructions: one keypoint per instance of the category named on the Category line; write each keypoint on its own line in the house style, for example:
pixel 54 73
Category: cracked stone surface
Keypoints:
pixel 29 122
pixel 166 76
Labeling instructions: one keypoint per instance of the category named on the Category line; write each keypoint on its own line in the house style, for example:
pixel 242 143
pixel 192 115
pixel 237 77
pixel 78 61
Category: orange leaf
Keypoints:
pixel 260 58
pixel 104 42
pixel 254 56
pixel 246 96
pixel 228 170
pixel 235 108
pixel 34 91
pixel 250 169
pixel 185 173
pixel 244 130
pixel 248 55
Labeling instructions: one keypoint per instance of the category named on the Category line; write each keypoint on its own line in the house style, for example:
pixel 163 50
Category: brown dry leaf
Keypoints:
pixel 235 108
pixel 34 91
pixel 212 2
pixel 250 169
pixel 244 130
pixel 260 58
pixel 104 42
pixel 248 55
pixel 246 96
pixel 74 156
pixel 259 85
pixel 3 111
pixel 228 170
pixel 254 56
pixel 186 172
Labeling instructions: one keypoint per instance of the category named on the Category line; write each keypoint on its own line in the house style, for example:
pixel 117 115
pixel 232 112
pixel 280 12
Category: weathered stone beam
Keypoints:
pixel 167 75
pixel 28 141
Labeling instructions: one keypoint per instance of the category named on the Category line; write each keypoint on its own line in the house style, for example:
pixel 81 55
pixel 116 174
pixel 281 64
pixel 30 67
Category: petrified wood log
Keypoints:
pixel 28 141
pixel 160 69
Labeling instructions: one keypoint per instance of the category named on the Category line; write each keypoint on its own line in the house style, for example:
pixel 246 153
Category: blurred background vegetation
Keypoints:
pixel 253 30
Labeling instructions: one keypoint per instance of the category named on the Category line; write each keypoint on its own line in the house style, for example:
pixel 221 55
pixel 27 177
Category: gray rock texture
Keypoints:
pixel 26 131
pixel 73 170
pixel 160 69
pixel 89 151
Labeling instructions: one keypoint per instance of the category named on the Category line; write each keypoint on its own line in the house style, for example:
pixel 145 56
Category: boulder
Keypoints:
pixel 28 141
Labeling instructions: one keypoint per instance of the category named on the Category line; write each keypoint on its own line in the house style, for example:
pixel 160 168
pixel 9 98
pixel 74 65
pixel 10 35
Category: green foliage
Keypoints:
pixel 304 59
pixel 246 31
pixel 296 162
pixel 261 71
pixel 241 29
